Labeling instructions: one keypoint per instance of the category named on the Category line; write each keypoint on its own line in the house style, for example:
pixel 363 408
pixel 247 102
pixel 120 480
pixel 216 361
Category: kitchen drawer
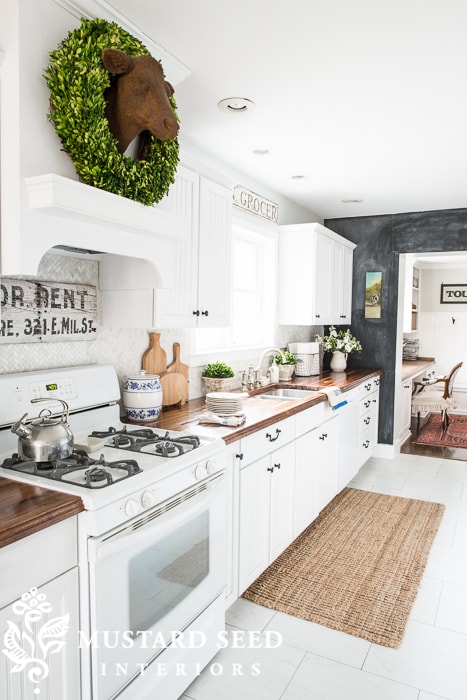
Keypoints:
pixel 365 404
pixel 365 421
pixel 34 560
pixel 309 419
pixel 267 440
pixel 368 387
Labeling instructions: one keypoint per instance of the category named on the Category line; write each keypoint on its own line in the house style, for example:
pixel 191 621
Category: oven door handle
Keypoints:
pixel 107 546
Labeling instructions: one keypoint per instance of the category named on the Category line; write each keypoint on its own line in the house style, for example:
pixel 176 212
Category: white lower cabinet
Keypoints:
pixel 266 512
pixel 284 475
pixel 368 425
pixel 306 481
pixel 44 659
pixel 327 436
pixel 266 498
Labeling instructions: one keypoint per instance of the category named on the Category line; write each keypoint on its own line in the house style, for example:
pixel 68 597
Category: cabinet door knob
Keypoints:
pixel 273 439
pixel 366 444
pixel 239 456
pixel 277 466
pixel 317 316
pixel 196 313
pixel 323 436
pixel 205 313
pixel 270 469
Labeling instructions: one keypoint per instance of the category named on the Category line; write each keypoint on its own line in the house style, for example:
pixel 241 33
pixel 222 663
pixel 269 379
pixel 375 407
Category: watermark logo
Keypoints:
pixel 29 644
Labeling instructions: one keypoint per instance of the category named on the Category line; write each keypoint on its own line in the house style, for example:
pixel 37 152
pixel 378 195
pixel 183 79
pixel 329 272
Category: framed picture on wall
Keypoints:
pixel 454 294
pixel 373 290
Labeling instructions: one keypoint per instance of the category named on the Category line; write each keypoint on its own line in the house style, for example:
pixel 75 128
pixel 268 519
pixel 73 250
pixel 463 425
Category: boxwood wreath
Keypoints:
pixel 77 79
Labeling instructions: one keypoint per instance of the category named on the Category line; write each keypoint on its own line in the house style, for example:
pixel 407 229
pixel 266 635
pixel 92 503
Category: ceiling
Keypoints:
pixel 365 100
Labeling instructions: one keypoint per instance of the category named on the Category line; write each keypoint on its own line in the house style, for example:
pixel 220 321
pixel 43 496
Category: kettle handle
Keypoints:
pixel 64 407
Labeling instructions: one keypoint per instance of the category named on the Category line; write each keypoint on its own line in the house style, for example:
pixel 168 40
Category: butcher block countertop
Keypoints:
pixel 412 368
pixel 26 509
pixel 260 413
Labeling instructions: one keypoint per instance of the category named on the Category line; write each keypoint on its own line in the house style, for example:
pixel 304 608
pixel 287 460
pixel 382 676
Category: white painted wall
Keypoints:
pixel 443 327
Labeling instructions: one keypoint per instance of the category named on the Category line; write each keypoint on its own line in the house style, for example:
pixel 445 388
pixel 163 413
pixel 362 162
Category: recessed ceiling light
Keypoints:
pixel 351 201
pixel 260 151
pixel 238 105
pixel 297 177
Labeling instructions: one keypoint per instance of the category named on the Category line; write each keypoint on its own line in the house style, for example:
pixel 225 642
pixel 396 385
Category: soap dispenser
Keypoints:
pixel 274 372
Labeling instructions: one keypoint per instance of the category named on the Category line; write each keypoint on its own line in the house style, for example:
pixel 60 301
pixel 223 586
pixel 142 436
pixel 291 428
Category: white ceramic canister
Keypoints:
pixel 142 396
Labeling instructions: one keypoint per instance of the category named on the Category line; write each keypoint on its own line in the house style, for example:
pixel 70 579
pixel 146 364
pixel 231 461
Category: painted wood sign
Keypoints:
pixel 453 294
pixel 254 203
pixel 32 311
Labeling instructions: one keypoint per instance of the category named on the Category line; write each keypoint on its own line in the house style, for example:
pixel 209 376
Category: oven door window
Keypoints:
pixel 151 577
pixel 165 573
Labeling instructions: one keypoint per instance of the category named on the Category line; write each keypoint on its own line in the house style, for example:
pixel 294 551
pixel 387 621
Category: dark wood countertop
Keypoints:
pixel 260 413
pixel 412 368
pixel 25 509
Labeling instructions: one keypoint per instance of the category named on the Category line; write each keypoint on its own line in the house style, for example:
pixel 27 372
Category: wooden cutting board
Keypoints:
pixel 174 389
pixel 176 365
pixel 155 358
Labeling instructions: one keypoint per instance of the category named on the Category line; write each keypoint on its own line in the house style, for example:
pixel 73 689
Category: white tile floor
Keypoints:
pixel 316 663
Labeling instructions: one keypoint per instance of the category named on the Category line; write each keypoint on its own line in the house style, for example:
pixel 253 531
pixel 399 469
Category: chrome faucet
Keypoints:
pixel 268 351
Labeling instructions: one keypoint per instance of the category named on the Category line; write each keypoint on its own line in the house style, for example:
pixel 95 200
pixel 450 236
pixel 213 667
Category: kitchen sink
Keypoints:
pixel 288 394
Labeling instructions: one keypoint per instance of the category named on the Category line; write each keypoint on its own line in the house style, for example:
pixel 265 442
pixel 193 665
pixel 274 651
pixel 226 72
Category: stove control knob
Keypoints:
pixel 200 472
pixel 131 507
pixel 148 499
pixel 210 466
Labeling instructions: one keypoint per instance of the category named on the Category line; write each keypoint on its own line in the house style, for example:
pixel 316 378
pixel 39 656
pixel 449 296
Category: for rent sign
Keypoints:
pixel 46 311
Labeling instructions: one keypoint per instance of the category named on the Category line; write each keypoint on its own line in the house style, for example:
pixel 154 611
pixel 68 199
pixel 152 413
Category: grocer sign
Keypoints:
pixel 255 204
pixel 33 311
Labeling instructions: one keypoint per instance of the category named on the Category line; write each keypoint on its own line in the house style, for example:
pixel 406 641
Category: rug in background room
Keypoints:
pixel 357 568
pixel 432 432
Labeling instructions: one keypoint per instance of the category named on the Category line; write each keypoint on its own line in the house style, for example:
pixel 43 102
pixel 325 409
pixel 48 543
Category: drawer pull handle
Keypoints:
pixel 273 439
pixel 366 444
pixel 367 420
pixel 239 456
pixel 366 403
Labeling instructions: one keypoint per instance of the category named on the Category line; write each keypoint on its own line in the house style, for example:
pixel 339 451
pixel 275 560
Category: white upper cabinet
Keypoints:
pixel 186 282
pixel 315 276
pixel 199 291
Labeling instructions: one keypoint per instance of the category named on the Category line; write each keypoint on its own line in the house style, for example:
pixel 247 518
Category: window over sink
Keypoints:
pixel 254 289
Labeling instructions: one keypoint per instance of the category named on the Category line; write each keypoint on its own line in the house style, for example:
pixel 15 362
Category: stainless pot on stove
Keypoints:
pixel 45 438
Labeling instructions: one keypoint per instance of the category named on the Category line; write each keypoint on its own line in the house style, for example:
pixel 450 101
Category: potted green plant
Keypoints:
pixel 217 376
pixel 286 363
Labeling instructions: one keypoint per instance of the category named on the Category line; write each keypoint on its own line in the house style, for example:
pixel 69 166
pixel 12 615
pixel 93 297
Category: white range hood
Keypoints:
pixel 43 205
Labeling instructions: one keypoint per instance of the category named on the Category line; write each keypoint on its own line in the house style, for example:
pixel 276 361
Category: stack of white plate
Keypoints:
pixel 224 403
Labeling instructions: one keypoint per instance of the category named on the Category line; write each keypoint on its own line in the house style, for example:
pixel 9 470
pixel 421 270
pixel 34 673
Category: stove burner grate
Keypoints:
pixel 96 473
pixel 143 439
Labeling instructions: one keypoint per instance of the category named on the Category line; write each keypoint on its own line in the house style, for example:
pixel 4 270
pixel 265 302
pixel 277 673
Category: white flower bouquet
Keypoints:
pixel 343 341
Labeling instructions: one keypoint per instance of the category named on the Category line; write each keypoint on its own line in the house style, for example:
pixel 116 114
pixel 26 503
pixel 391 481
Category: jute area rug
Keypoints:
pixel 356 568
pixel 432 432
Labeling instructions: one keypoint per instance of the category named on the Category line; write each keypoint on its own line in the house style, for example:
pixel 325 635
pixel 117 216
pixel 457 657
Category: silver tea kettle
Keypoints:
pixel 45 438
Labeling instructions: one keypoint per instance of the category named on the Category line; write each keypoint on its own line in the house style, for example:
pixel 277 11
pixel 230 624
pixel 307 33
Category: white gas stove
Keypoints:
pixel 123 468
pixel 151 538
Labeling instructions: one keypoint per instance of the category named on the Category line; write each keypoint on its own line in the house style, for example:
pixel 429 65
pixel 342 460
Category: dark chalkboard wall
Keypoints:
pixel 380 240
